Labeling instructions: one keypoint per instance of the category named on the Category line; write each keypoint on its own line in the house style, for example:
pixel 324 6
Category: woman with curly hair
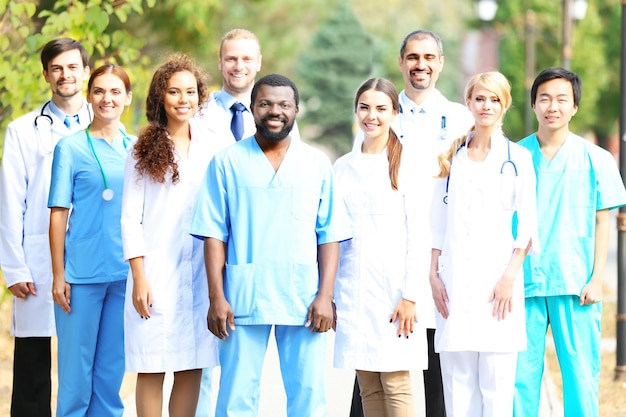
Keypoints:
pixel 167 297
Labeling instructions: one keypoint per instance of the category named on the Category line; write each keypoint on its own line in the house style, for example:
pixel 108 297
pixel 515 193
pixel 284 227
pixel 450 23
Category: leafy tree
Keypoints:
pixel 25 26
pixel 338 61
pixel 589 59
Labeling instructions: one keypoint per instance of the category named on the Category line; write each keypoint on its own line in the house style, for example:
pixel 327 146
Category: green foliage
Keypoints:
pixel 327 67
pixel 338 60
pixel 26 26
pixel 590 59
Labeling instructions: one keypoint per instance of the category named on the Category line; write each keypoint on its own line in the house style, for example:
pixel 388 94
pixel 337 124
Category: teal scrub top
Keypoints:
pixel 581 179
pixel 93 243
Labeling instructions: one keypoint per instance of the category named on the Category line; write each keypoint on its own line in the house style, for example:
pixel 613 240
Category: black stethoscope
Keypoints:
pixel 508 161
pixel 50 121
pixel 107 194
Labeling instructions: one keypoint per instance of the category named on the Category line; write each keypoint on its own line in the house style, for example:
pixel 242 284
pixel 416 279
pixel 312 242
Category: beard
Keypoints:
pixel 273 136
pixel 420 85
pixel 67 93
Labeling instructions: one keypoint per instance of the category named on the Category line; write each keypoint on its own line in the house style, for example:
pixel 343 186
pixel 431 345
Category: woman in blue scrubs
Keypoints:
pixel 89 272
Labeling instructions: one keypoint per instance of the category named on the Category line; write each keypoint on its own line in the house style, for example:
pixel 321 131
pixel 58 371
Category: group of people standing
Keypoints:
pixel 483 205
pixel 184 247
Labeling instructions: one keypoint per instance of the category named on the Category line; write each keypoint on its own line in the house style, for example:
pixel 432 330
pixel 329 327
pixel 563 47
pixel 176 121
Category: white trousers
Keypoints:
pixel 478 384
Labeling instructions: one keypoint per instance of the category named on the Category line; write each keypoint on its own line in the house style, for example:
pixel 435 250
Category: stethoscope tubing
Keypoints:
pixel 50 120
pixel 107 191
pixel 45 150
pixel 507 161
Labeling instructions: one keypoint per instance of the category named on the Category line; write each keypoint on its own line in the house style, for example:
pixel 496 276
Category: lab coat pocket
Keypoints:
pixel 37 254
pixel 240 289
pixel 443 267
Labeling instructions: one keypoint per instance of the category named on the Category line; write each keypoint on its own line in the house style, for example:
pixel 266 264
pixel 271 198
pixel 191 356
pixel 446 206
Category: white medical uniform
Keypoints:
pixel 25 217
pixel 474 233
pixel 426 130
pixel 155 225
pixel 376 267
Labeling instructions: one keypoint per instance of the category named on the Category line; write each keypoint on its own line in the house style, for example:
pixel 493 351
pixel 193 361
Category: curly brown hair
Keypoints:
pixel 154 150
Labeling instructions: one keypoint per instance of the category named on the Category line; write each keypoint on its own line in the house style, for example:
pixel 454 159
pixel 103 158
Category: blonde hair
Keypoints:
pixel 239 34
pixel 492 81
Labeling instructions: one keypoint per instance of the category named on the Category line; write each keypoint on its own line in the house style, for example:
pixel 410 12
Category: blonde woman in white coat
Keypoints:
pixel 375 292
pixel 476 276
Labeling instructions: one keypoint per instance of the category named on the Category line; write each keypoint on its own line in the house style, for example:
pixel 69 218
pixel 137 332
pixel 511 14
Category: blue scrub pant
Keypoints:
pixel 205 399
pixel 576 334
pixel 91 351
pixel 302 358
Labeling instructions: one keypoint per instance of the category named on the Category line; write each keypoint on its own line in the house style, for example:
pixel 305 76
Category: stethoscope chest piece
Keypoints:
pixel 108 194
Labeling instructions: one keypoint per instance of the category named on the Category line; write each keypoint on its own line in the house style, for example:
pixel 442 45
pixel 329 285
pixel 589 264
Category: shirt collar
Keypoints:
pixel 225 100
pixel 429 106
pixel 82 112
pixel 57 111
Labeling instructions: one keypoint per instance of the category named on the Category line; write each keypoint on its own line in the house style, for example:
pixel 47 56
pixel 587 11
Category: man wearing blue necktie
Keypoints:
pixel 226 115
pixel 226 118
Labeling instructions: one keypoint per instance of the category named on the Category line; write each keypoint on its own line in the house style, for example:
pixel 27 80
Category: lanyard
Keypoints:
pixel 107 194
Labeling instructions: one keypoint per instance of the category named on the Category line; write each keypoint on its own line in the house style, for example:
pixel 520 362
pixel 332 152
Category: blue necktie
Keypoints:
pixel 236 124
pixel 70 120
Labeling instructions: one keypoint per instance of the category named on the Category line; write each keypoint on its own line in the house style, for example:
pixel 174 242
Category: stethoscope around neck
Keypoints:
pixel 508 161
pixel 50 121
pixel 107 194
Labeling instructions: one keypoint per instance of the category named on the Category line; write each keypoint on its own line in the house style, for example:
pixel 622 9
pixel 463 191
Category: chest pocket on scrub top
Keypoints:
pixel 305 203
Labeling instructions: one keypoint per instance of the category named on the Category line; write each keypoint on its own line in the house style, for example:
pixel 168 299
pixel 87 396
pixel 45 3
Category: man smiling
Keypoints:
pixel 271 222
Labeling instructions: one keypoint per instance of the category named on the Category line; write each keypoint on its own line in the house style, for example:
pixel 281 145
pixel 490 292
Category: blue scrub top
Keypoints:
pixel 581 179
pixel 93 243
pixel 273 223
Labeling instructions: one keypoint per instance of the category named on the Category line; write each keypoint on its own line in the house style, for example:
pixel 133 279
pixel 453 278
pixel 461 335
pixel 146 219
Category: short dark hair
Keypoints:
pixel 419 35
pixel 57 46
pixel 554 73
pixel 275 80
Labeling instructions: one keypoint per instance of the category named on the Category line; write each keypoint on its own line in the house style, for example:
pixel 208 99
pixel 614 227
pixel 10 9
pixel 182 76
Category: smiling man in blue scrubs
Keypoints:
pixel 272 223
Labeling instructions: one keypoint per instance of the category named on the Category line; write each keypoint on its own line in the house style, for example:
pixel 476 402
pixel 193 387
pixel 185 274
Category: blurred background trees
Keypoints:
pixel 328 47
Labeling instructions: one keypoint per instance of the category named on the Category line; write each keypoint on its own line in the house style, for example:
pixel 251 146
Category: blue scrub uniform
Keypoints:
pixel 273 222
pixel 581 179
pixel 91 336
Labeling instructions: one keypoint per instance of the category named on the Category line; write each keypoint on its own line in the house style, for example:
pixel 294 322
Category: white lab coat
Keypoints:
pixel 379 265
pixel 474 233
pixel 25 217
pixel 156 218
pixel 419 128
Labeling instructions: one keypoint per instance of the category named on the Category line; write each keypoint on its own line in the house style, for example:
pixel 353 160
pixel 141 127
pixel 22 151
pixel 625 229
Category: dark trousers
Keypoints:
pixel 433 386
pixel 31 377
pixel 356 409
